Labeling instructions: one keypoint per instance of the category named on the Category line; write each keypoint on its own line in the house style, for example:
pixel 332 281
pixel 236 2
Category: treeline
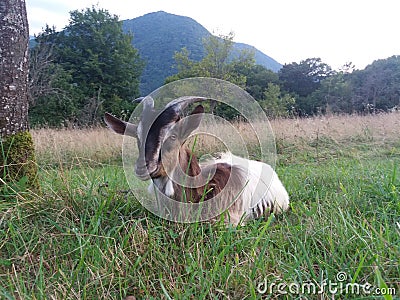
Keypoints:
pixel 91 67
pixel 319 89
pixel 79 73
pixel 300 89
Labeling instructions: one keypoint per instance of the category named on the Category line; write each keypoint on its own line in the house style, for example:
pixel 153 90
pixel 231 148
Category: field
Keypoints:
pixel 84 236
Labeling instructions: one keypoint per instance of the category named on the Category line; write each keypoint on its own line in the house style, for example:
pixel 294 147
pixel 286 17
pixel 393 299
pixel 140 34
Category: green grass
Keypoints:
pixel 87 237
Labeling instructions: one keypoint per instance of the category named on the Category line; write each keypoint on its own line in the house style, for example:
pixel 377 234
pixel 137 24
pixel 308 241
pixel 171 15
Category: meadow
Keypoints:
pixel 85 236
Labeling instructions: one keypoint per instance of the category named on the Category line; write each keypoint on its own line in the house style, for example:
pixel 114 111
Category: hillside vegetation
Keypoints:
pixel 158 35
pixel 91 67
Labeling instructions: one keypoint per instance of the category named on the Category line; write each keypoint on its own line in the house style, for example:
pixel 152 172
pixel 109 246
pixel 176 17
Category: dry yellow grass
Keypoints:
pixel 381 128
pixel 100 144
pixel 55 146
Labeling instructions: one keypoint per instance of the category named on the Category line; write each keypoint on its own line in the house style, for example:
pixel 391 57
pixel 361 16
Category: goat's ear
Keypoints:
pixel 191 122
pixel 119 126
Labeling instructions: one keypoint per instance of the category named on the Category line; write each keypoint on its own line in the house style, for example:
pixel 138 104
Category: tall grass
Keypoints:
pixel 87 237
pixel 54 146
pixel 340 128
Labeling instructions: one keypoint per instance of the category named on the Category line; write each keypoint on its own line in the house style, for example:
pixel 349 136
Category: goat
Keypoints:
pixel 247 189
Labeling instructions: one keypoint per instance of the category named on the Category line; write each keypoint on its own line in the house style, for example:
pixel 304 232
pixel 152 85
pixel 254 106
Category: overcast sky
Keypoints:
pixel 337 31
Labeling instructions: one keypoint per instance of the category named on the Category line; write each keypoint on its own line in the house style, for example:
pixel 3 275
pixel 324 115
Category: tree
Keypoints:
pixel 303 79
pixel 374 89
pixel 275 103
pixel 378 84
pixel 53 98
pixel 257 79
pixel 17 156
pixel 101 61
pixel 219 61
pixel 335 95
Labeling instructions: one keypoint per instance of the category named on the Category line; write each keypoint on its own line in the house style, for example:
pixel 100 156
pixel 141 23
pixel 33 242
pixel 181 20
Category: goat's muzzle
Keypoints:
pixel 143 173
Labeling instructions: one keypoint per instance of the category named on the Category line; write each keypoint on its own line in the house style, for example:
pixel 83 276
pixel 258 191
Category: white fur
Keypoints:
pixel 162 183
pixel 263 188
pixel 169 188
pixel 150 189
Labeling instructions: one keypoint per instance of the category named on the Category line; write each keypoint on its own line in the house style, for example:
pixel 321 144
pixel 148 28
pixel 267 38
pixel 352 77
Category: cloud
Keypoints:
pixel 288 30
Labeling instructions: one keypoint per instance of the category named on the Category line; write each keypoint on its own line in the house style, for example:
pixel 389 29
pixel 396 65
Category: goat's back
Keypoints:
pixel 261 192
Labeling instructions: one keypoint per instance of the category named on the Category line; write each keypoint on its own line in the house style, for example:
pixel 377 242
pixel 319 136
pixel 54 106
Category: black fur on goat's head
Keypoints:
pixel 159 134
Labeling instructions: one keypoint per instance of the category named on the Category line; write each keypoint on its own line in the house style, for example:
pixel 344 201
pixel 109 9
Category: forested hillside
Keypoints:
pixel 158 35
pixel 91 67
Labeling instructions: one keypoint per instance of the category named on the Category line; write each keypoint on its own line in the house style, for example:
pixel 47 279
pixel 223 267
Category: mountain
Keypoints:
pixel 158 35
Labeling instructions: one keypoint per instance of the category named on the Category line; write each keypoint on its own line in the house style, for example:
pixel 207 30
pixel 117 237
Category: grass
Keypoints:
pixel 87 237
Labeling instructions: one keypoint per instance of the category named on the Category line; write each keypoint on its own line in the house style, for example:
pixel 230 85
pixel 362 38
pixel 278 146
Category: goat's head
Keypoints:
pixel 159 134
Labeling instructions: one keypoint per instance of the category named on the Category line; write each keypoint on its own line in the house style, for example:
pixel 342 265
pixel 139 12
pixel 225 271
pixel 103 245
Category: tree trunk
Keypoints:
pixel 17 161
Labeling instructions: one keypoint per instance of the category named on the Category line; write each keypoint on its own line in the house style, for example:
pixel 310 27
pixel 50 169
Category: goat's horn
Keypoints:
pixel 182 102
pixel 148 102
pixel 138 100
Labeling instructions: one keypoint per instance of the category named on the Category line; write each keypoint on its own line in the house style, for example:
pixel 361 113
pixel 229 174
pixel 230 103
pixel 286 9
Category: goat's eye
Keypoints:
pixel 173 136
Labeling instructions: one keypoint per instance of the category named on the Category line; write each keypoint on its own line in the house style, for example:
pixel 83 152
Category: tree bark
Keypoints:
pixel 14 38
pixel 16 148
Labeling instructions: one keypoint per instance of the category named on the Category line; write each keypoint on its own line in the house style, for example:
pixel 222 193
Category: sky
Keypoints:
pixel 337 31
